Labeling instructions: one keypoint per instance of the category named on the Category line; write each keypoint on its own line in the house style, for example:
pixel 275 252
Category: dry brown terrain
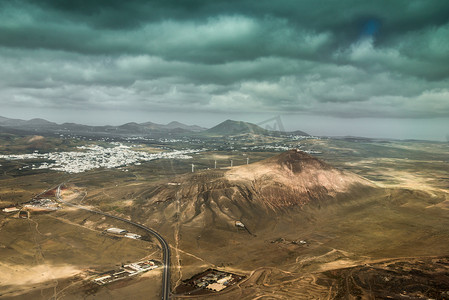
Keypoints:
pixel 347 221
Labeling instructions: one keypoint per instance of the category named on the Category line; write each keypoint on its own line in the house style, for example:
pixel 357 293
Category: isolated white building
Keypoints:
pixel 239 224
pixel 114 230
pixel 10 209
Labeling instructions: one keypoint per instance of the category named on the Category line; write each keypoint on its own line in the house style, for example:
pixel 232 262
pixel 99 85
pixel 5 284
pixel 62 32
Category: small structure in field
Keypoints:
pixel 118 231
pixel 10 209
pixel 209 281
pixel 239 224
pixel 133 236
pixel 23 214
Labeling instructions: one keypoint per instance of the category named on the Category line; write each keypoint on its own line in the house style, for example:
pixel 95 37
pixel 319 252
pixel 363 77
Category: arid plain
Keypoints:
pixel 346 221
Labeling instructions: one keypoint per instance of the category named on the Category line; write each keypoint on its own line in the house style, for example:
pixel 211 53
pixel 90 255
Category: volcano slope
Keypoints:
pixel 280 197
pixel 344 219
pixel 254 193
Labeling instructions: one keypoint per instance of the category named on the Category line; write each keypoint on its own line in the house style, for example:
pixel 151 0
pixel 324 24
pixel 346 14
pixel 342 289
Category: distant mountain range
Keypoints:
pixel 44 126
pixel 228 127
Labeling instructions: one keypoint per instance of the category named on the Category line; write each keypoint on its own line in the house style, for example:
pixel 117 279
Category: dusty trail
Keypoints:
pixel 39 257
pixel 176 236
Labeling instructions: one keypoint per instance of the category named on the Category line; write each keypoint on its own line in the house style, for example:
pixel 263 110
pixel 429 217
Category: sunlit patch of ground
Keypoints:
pixel 404 173
pixel 148 149
pixel 15 278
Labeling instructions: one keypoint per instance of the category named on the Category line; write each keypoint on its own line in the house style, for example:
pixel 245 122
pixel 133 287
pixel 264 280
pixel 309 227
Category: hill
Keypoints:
pixel 295 178
pixel 178 125
pixel 255 193
pixel 298 132
pixel 231 127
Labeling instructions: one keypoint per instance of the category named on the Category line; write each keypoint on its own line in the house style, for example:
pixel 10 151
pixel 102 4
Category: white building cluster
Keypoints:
pixel 92 157
pixel 303 137
pixel 268 147
pixel 126 271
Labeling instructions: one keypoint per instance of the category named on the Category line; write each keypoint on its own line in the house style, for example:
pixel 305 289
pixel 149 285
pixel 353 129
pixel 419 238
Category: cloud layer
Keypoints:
pixel 348 58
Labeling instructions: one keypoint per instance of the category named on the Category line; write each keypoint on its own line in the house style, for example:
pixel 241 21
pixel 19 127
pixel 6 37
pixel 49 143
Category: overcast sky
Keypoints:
pixel 348 67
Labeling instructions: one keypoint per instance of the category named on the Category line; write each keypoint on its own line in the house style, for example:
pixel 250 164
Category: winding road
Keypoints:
pixel 164 245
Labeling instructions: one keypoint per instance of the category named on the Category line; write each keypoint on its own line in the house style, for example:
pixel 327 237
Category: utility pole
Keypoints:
pixel 193 168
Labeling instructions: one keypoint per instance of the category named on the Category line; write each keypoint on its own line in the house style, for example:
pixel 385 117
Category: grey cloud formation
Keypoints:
pixel 347 59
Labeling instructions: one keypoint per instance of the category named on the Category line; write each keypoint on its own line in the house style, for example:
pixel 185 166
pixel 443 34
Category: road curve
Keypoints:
pixel 164 245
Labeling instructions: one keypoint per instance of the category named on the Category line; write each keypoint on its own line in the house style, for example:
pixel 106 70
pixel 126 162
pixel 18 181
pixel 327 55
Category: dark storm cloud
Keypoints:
pixel 343 58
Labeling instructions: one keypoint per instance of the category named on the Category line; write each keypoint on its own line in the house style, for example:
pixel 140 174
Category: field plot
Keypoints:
pixel 414 278
pixel 56 251
pixel 208 282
